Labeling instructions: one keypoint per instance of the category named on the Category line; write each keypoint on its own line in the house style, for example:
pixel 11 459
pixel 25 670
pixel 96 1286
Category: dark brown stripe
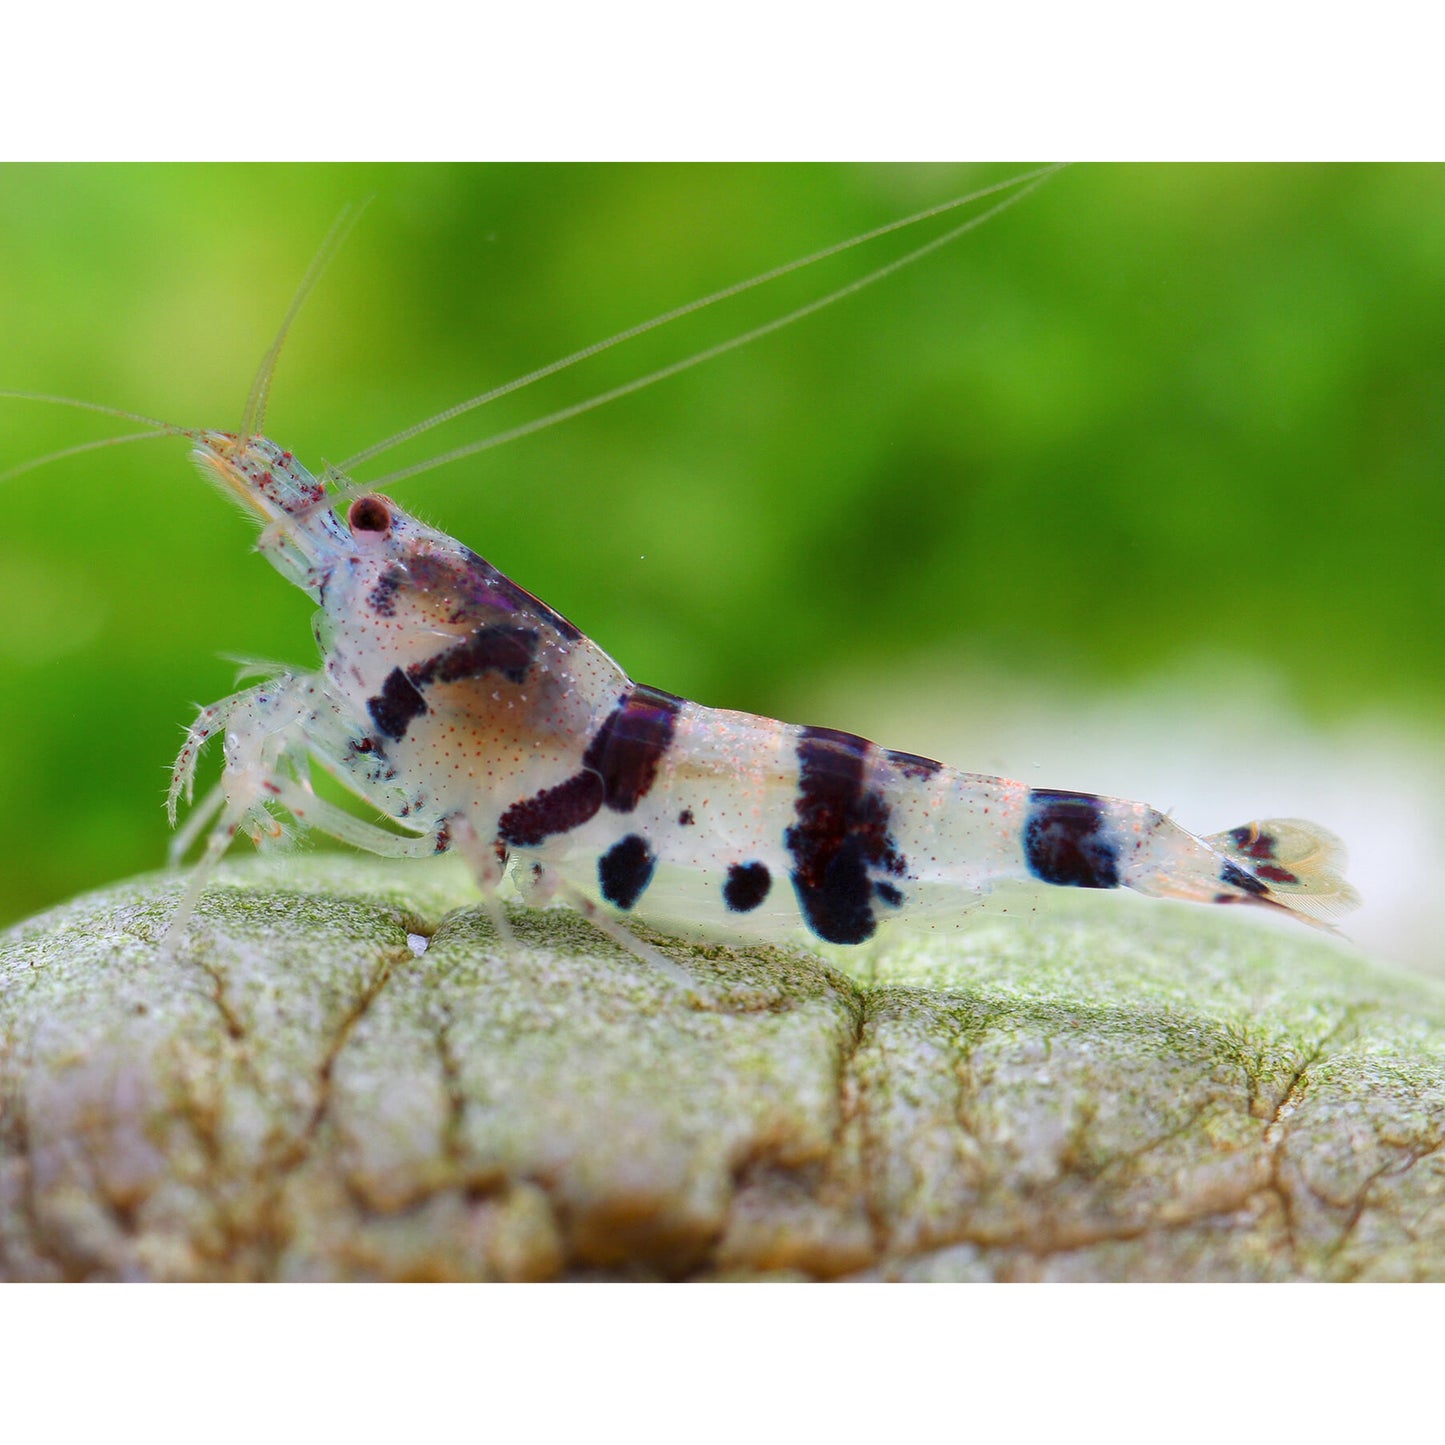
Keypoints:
pixel 618 768
pixel 503 649
pixel 553 810
pixel 476 591
pixel 1065 840
pixel 841 834
pixel 628 747
pixel 913 766
pixel 499 584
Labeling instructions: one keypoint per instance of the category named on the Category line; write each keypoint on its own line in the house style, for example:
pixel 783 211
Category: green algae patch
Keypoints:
pixel 343 1072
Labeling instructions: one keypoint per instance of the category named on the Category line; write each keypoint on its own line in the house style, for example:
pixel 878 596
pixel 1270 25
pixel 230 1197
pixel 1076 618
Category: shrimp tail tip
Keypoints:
pixel 1292 864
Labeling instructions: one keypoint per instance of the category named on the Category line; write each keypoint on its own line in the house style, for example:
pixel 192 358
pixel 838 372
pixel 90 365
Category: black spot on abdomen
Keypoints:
pixel 748 884
pixel 625 870
pixel 1065 840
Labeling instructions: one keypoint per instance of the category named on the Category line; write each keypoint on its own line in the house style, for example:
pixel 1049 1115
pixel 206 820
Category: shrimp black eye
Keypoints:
pixel 369 514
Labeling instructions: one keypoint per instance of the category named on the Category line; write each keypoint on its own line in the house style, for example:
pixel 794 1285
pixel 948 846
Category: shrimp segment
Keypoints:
pixel 470 713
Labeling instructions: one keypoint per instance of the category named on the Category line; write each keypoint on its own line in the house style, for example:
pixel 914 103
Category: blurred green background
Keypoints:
pixel 1150 414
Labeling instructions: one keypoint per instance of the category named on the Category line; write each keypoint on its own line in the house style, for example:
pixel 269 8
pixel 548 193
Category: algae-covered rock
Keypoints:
pixel 342 1073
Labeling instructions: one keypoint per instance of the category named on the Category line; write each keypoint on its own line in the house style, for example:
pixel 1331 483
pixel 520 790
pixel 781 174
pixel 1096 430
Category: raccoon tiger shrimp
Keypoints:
pixel 481 721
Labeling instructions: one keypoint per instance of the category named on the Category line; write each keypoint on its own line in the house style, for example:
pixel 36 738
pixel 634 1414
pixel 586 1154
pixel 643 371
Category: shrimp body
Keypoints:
pixel 471 713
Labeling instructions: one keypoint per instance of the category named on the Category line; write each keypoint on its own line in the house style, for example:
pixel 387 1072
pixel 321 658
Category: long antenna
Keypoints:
pixel 677 313
pixel 1031 182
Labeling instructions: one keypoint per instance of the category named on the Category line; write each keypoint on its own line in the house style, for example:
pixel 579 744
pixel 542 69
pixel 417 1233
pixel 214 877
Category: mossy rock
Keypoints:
pixel 341 1074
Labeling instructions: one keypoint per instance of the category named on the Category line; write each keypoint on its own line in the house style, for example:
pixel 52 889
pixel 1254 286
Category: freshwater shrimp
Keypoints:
pixel 476 718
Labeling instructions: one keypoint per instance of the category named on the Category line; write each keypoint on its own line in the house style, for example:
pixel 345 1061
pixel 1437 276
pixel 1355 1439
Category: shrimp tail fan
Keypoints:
pixel 1300 864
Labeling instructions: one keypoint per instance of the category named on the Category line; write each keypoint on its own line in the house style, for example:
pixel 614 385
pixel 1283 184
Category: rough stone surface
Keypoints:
pixel 1098 1091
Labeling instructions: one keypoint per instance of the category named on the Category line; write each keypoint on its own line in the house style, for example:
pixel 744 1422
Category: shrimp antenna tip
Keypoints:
pixel 254 416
